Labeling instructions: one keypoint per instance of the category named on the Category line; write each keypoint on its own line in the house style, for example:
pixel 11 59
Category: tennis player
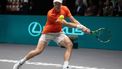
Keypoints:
pixel 53 31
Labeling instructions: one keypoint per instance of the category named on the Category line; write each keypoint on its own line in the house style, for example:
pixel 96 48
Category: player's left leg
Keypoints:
pixel 38 50
pixel 67 43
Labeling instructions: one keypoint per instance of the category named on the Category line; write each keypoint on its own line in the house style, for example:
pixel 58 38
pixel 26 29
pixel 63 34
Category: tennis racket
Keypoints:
pixel 102 34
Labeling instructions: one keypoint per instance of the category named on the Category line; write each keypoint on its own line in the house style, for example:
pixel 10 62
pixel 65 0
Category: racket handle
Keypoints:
pixel 92 32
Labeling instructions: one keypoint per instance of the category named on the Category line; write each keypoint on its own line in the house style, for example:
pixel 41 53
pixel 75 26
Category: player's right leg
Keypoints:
pixel 40 47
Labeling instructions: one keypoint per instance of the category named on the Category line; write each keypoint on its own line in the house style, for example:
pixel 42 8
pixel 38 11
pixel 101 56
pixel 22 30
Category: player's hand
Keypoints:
pixel 86 30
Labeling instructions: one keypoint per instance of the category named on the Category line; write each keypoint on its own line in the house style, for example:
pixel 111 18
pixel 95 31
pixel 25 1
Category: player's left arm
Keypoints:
pixel 74 25
pixel 79 25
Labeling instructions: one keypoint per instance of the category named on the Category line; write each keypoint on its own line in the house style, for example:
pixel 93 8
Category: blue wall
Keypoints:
pixel 113 23
pixel 14 29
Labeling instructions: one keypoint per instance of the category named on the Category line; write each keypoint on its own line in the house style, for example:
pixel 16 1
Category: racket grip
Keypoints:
pixel 91 32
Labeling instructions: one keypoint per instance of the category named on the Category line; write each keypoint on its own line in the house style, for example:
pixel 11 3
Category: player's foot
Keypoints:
pixel 17 65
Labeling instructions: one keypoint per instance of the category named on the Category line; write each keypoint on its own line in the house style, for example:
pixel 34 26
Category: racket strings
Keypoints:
pixel 103 35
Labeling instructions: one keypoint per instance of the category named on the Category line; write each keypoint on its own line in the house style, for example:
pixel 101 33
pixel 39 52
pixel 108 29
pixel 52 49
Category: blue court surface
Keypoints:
pixel 52 58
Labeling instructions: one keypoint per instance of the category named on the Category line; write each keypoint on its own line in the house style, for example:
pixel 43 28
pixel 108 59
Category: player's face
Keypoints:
pixel 57 6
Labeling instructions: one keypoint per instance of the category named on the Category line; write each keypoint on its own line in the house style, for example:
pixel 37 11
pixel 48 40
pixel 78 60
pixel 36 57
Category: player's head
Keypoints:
pixel 60 1
pixel 57 4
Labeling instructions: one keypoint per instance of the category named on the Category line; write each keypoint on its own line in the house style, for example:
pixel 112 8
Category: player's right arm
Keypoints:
pixel 74 22
pixel 75 25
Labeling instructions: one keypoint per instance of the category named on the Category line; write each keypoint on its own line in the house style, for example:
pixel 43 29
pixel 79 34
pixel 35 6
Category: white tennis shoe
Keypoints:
pixel 67 67
pixel 17 65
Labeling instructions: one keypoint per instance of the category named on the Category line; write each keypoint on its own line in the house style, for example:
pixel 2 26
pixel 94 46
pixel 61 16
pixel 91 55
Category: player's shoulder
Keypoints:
pixel 49 12
pixel 64 7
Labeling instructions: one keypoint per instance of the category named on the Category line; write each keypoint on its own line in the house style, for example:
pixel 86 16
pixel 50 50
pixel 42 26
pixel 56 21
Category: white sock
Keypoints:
pixel 66 63
pixel 22 61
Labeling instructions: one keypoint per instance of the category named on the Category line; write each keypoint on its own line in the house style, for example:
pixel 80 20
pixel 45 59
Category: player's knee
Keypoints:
pixel 70 45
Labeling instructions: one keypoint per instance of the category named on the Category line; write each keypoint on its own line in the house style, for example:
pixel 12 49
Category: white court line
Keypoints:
pixel 48 64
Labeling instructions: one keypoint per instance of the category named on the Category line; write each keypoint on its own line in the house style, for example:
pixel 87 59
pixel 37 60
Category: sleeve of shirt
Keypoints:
pixel 49 17
pixel 68 13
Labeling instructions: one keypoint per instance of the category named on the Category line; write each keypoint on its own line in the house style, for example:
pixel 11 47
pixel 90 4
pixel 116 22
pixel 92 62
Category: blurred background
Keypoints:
pixel 77 7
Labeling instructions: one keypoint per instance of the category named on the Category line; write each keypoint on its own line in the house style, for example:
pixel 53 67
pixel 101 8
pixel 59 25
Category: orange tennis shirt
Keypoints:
pixel 51 25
